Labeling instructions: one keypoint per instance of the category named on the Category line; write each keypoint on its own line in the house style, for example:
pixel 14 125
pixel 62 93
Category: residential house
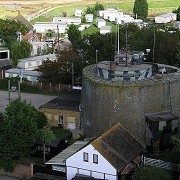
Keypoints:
pixel 105 29
pixel 68 20
pixel 159 124
pixel 112 16
pixel 44 27
pixel 78 12
pixel 110 156
pixel 100 23
pixel 89 18
pixel 120 19
pixel 32 63
pixel 24 21
pixel 64 111
pixel 166 18
pixel 25 74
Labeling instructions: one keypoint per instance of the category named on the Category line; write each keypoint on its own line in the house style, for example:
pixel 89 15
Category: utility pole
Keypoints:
pixel 126 47
pixel 154 43
pixel 72 75
pixel 58 45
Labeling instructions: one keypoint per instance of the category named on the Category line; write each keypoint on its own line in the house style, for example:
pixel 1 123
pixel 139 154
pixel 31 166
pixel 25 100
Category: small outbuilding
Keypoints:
pixel 177 24
pixel 78 12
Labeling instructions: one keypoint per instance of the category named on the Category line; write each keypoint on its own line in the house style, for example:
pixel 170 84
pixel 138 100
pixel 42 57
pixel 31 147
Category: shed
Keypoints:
pixel 78 12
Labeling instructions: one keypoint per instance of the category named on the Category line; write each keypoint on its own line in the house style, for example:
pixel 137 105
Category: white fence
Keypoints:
pixel 157 163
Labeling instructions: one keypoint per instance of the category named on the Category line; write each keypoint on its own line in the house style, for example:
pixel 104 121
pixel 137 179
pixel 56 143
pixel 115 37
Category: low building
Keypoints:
pixel 120 19
pixel 67 20
pixel 112 155
pixel 32 63
pixel 25 74
pixel 89 18
pixel 64 111
pixel 166 18
pixel 100 23
pixel 58 163
pixel 44 27
pixel 78 12
pixel 160 124
pixel 105 29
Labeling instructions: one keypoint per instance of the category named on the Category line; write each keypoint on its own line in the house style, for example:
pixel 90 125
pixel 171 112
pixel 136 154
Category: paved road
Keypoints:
pixel 35 99
pixel 4 177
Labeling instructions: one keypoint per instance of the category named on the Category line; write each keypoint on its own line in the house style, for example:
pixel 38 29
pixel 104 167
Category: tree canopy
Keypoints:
pixel 18 130
pixel 140 9
pixel 150 173
pixel 177 11
pixel 9 29
pixel 20 50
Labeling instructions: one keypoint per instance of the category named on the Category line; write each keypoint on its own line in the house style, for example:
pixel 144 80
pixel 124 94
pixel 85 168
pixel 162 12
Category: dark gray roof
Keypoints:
pixel 118 147
pixel 4 62
pixel 68 101
pixel 161 116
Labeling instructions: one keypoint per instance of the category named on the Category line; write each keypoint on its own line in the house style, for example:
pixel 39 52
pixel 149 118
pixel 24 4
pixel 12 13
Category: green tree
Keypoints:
pixel 46 136
pixel 150 173
pixel 20 50
pixel 98 7
pixel 140 9
pixel 18 130
pixel 176 141
pixel 177 11
pixel 74 35
pixel 9 31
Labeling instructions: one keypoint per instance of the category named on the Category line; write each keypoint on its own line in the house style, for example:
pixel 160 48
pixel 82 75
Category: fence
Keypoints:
pixel 48 86
pixel 158 163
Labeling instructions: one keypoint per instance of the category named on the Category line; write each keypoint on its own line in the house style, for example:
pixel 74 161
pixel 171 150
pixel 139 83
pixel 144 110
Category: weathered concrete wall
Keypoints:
pixel 104 103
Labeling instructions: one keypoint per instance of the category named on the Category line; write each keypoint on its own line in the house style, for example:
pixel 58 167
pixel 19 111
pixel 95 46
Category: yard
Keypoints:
pixel 48 9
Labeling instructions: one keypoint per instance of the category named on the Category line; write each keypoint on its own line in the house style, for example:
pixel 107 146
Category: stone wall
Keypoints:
pixel 104 103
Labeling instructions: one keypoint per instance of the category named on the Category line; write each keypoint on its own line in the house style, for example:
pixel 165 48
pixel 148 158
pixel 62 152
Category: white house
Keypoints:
pixel 105 29
pixel 68 20
pixel 107 14
pixel 110 156
pixel 166 18
pixel 25 74
pixel 43 27
pixel 4 53
pixel 89 18
pixel 38 47
pixel 35 61
pixel 78 12
pixel 177 24
pixel 100 23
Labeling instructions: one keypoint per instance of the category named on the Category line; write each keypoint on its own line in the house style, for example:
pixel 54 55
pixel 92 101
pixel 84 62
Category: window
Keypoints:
pixel 85 157
pixel 60 121
pixel 29 64
pixel 95 158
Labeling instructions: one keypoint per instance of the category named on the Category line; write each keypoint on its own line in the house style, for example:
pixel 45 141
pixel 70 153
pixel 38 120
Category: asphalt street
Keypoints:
pixel 35 99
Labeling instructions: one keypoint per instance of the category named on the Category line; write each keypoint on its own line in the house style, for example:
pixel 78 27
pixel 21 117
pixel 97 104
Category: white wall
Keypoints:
pixel 103 169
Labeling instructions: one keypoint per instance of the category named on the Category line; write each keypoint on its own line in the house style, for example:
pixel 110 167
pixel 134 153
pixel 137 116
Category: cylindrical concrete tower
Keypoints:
pixel 112 93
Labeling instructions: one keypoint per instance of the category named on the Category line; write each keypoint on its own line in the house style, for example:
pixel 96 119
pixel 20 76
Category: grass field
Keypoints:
pixel 31 6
